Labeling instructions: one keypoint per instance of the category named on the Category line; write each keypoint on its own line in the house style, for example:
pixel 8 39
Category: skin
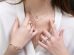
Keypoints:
pixel 54 42
pixel 42 13
pixel 39 10
pixel 20 36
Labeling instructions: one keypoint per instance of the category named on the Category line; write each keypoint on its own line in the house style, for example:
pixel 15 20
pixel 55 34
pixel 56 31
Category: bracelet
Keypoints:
pixel 16 48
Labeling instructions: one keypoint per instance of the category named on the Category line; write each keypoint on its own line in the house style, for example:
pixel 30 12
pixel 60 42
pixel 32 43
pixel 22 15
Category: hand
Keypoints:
pixel 21 35
pixel 53 42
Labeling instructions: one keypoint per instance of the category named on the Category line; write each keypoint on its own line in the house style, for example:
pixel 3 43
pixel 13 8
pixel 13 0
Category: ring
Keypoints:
pixel 48 39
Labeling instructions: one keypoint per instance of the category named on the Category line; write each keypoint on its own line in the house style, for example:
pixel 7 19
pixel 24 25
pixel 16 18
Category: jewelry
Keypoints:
pixel 48 38
pixel 16 48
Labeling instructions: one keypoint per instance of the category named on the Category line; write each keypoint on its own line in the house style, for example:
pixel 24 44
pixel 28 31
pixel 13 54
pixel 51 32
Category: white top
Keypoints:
pixel 8 13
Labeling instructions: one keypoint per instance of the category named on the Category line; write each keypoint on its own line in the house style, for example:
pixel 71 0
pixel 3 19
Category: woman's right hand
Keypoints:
pixel 21 35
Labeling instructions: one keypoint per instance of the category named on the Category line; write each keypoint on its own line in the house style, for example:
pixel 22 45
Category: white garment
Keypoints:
pixel 12 1
pixel 8 13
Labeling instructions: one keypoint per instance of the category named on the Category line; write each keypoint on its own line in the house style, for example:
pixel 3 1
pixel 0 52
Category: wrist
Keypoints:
pixel 18 49
pixel 17 45
pixel 12 50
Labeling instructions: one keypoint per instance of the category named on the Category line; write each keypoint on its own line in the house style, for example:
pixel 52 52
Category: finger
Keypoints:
pixel 15 26
pixel 51 23
pixel 29 27
pixel 26 21
pixel 46 33
pixel 43 45
pixel 53 28
pixel 44 39
pixel 45 42
pixel 32 19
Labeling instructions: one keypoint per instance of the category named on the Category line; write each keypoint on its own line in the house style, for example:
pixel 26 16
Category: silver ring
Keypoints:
pixel 48 39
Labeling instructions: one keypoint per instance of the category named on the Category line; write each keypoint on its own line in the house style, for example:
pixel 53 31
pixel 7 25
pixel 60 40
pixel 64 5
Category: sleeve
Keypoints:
pixel 2 40
pixel 8 14
pixel 71 44
pixel 72 40
pixel 6 11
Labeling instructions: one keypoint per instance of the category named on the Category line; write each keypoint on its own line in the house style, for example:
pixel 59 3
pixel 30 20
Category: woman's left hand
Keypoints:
pixel 53 42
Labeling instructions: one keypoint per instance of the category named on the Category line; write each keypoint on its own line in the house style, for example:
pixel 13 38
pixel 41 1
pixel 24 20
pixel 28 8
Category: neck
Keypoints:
pixel 39 6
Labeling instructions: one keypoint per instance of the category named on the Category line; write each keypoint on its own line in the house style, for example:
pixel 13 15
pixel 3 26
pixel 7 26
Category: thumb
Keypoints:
pixel 15 26
pixel 26 21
